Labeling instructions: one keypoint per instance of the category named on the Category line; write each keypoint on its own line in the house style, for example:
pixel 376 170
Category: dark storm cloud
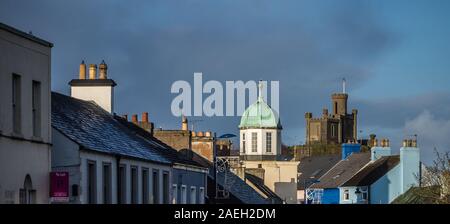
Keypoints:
pixel 307 46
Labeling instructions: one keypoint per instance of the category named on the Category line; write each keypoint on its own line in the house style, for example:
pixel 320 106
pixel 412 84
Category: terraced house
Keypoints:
pixel 110 160
pixel 25 132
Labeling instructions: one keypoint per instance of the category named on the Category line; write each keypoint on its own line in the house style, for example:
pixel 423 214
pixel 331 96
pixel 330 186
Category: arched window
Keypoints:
pixel 27 193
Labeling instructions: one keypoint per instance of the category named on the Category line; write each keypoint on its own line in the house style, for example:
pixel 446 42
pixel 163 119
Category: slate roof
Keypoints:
pixel 312 168
pixel 168 151
pixel 343 171
pixel 237 187
pixel 93 128
pixel 259 183
pixel 373 171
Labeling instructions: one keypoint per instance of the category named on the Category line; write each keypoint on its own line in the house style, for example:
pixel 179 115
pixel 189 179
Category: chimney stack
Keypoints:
pixel 134 118
pixel 325 112
pixel 82 73
pixel 380 150
pixel 184 123
pixel 92 71
pixel 145 117
pixel 103 68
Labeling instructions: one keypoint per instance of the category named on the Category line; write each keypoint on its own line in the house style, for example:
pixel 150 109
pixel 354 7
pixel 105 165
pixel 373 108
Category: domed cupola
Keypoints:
pixel 260 115
pixel 260 131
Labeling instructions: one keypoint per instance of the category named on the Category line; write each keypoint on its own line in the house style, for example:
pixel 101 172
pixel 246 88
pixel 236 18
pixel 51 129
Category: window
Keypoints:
pixel 174 194
pixel 346 195
pixel 365 194
pixel 254 141
pixel 201 195
pixel 333 130
pixel 145 192
pixel 193 195
pixel 16 103
pixel 92 182
pixel 183 194
pixel 166 193
pixel 107 192
pixel 155 192
pixel 27 195
pixel 134 185
pixel 269 142
pixel 243 142
pixel 122 185
pixel 36 108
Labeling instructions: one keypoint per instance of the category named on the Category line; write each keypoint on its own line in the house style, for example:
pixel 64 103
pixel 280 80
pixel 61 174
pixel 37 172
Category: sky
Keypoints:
pixel 393 54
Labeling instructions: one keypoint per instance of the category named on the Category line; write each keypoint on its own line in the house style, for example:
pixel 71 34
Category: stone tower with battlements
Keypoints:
pixel 337 127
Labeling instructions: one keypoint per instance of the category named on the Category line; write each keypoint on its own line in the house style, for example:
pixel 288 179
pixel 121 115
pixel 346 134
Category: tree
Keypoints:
pixel 435 180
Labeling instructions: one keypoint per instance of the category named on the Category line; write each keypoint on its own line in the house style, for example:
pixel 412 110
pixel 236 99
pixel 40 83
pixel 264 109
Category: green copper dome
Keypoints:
pixel 259 115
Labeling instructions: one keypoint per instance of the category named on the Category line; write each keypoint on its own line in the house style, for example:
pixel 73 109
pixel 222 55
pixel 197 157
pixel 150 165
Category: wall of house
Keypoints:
pixel 101 95
pixel 279 176
pixel 177 139
pixel 261 149
pixel 66 157
pixel 87 156
pixel 330 196
pixel 32 62
pixel 387 188
pixel 352 199
pixel 188 177
pixel 203 146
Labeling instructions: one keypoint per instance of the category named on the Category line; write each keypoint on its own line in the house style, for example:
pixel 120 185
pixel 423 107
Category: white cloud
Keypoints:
pixel 432 133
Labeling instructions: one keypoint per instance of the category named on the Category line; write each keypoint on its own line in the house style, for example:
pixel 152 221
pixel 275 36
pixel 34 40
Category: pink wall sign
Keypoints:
pixel 59 186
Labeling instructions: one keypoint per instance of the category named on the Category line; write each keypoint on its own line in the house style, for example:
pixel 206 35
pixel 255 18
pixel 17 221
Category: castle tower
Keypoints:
pixel 339 101
pixel 100 90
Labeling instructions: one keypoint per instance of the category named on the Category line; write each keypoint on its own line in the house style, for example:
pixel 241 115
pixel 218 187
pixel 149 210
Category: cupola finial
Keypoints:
pixel 260 87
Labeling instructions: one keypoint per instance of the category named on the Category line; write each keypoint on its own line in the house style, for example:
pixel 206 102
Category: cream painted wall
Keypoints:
pixel 22 153
pixel 99 159
pixel 101 95
pixel 280 177
pixel 261 141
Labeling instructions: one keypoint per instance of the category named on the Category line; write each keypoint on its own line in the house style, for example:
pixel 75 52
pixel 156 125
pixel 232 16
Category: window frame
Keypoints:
pixel 269 142
pixel 134 184
pixel 346 195
pixel 254 141
pixel 183 194
pixel 107 187
pixel 174 194
pixel 16 102
pixel 145 173
pixel 91 189
pixel 36 108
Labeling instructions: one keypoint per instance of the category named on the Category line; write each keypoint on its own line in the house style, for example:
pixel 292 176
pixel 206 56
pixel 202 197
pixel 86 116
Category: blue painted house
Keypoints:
pixel 327 189
pixel 385 177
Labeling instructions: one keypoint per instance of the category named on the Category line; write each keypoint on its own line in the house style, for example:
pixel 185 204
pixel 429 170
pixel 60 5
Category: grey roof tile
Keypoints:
pixel 343 171
pixel 93 128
